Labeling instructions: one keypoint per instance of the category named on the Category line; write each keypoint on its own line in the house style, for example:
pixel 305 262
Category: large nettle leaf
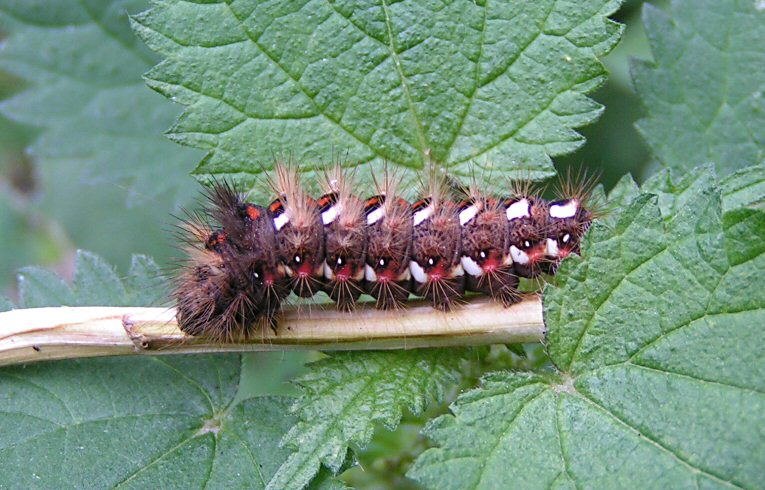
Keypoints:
pixel 348 393
pixel 84 66
pixel 500 84
pixel 173 422
pixel 704 93
pixel 656 335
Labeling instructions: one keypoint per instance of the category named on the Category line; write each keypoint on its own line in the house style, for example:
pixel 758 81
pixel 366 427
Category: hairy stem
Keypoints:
pixel 29 335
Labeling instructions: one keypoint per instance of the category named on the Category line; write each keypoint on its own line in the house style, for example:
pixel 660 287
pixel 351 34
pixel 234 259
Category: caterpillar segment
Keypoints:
pixel 345 239
pixel 485 253
pixel 526 217
pixel 217 297
pixel 389 241
pixel 299 232
pixel 435 266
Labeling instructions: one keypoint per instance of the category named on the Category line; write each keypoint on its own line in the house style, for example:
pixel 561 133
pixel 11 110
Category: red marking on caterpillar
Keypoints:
pixel 437 273
pixel 244 260
pixel 299 232
pixel 345 239
pixel 389 244
pixel 485 252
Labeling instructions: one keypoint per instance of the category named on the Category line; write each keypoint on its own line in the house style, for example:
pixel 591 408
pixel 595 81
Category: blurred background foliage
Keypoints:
pixel 47 212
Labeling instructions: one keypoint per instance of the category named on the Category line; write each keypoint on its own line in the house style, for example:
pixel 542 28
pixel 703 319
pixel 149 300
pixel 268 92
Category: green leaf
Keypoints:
pixel 744 188
pixel 348 393
pixel 6 304
pixel 704 92
pixel 30 242
pixel 145 284
pixel 105 422
pixel 137 423
pixel 498 83
pixel 95 281
pixel 40 287
pixel 84 65
pixel 656 335
pixel 95 284
pixel 620 197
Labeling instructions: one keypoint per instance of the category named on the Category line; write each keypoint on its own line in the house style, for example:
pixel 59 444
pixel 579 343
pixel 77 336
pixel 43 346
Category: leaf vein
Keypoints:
pixel 696 378
pixel 109 33
pixel 651 440
pixel 507 426
pixel 300 86
pixel 424 145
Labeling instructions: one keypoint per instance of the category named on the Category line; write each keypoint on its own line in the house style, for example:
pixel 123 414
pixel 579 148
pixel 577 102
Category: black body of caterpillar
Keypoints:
pixel 243 266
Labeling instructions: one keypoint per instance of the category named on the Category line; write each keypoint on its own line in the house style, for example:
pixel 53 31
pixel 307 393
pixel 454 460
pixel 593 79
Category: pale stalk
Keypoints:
pixel 29 335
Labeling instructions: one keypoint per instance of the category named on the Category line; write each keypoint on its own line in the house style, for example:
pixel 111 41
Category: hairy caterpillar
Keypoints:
pixel 244 259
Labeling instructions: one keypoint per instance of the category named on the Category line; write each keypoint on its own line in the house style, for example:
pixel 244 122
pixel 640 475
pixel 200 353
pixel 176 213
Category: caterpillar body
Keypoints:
pixel 244 260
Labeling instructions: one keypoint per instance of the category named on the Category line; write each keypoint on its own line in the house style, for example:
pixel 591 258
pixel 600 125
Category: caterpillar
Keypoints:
pixel 244 260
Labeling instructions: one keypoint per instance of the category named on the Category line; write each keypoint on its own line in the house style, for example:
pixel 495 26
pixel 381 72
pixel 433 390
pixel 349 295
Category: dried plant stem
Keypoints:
pixel 30 335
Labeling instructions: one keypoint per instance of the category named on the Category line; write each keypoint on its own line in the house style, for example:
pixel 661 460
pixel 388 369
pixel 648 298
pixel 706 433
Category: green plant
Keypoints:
pixel 651 374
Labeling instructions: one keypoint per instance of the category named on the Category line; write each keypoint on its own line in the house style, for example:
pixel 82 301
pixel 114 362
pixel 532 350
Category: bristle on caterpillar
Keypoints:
pixel 485 254
pixel 244 259
pixel 298 229
pixel 437 272
pixel 342 214
pixel 389 242
pixel 526 213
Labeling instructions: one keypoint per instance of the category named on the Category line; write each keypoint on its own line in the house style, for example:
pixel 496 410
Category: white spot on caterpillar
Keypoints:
pixel 567 210
pixel 552 248
pixel 468 214
pixel 417 272
pixel 375 215
pixel 280 221
pixel 329 215
pixel 405 276
pixel 458 271
pixel 519 255
pixel 288 271
pixel 471 266
pixel 520 209
pixel 328 272
pixel 369 273
pixel 423 214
